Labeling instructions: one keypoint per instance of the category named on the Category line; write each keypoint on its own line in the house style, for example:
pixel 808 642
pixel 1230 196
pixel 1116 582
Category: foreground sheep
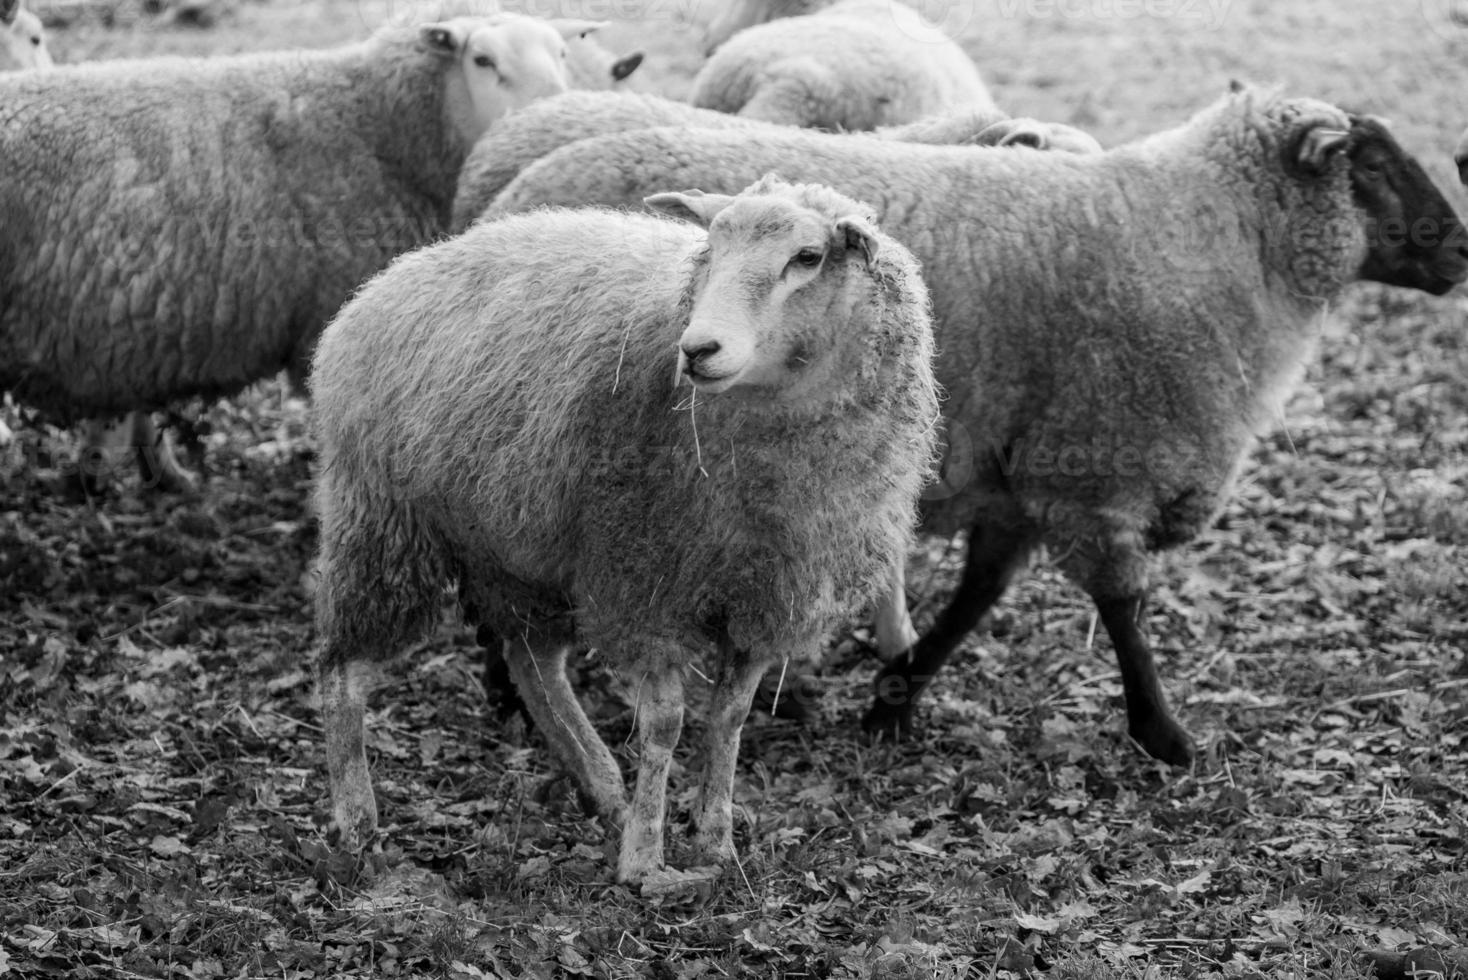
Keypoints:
pixel 22 42
pixel 213 214
pixel 856 65
pixel 518 140
pixel 1114 328
pixel 529 441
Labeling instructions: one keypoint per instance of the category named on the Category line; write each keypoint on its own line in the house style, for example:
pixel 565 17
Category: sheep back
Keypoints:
pixel 853 66
pixel 522 137
pixel 184 227
pixel 1142 311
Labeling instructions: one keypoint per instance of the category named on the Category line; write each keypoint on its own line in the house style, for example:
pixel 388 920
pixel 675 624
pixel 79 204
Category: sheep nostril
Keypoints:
pixel 698 352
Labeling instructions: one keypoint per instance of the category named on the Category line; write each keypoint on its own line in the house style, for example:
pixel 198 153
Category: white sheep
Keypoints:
pixel 520 139
pixel 856 65
pixel 213 214
pixel 22 41
pixel 503 410
pixel 1114 328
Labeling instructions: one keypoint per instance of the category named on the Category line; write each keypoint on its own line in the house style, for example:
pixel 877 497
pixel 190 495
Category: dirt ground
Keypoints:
pixel 162 783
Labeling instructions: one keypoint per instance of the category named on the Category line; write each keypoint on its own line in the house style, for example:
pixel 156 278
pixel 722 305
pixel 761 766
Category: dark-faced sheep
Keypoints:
pixel 1115 328
pixel 502 411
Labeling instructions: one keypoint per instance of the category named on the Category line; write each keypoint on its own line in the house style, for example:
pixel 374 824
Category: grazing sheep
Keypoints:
pixel 518 140
pixel 502 411
pixel 213 214
pixel 856 65
pixel 22 42
pixel 1114 328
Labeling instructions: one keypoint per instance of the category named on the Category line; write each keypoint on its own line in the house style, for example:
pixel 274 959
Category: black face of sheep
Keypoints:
pixel 1415 238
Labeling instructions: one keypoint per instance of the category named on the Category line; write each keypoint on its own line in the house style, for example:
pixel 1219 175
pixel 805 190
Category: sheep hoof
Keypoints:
pixel 1165 740
pixel 174 480
pixel 885 721
pixel 713 850
pixel 354 835
pixel 795 698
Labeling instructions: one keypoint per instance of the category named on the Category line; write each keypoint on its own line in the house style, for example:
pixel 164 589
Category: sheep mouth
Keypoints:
pixel 706 382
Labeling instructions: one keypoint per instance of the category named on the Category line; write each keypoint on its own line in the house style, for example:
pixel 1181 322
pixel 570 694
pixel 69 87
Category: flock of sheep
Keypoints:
pixel 695 425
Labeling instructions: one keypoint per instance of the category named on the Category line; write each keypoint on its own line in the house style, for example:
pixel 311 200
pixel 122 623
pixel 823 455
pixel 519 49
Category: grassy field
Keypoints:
pixel 162 784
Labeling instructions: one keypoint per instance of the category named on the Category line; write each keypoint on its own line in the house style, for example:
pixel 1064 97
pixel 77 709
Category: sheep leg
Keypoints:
pixel 995 552
pixel 539 672
pixel 341 684
pixel 157 461
pixel 659 723
pixel 734 688
pixel 499 686
pixel 1148 719
pixel 895 633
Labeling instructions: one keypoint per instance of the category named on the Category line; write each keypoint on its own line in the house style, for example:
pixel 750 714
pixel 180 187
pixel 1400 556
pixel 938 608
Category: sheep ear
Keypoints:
pixel 443 38
pixel 694 206
pixel 623 67
pixel 1010 132
pixel 569 28
pixel 1318 145
pixel 859 235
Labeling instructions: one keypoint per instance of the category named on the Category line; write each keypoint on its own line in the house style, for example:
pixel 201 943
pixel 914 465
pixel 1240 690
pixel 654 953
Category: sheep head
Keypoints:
pixel 1414 238
pixel 504 61
pixel 22 41
pixel 785 269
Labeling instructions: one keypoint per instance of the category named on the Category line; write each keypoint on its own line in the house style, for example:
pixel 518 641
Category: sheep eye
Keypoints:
pixel 808 258
pixel 36 41
pixel 484 61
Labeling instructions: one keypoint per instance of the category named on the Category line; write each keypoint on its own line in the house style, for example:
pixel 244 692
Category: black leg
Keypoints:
pixel 994 554
pixel 1148 719
pixel 498 686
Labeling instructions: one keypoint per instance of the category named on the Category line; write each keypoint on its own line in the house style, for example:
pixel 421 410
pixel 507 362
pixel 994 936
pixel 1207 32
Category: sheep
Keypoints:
pixel 22 41
pixel 1114 328
pixel 524 137
pixel 502 410
pixel 214 213
pixel 856 65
